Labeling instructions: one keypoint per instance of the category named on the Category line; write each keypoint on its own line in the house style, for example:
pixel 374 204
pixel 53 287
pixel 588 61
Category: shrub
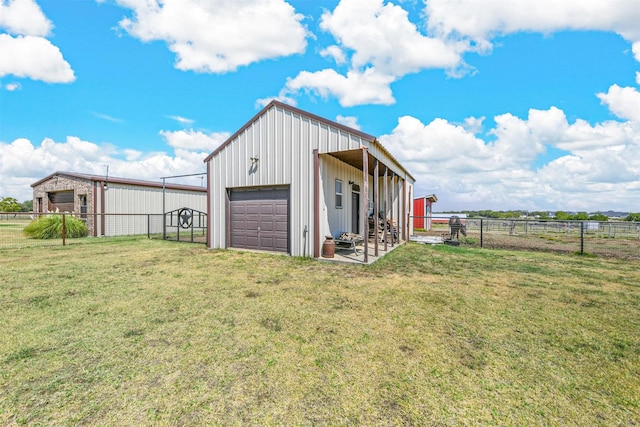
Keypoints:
pixel 50 227
pixel 633 217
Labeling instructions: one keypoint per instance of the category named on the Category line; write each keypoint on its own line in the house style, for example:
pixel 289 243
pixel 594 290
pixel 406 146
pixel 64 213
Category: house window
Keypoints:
pixel 83 206
pixel 338 194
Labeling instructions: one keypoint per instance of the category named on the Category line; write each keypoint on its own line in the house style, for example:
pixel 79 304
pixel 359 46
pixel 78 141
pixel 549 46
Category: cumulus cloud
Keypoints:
pixel 624 102
pixel 218 36
pixel 383 44
pixel 22 163
pixel 378 43
pixel 479 21
pixel 506 168
pixel 24 17
pixel 350 121
pixel 356 88
pixel 27 53
pixel 194 140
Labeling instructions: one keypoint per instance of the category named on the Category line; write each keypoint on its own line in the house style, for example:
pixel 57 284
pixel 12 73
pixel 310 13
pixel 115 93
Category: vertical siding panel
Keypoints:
pixel 284 141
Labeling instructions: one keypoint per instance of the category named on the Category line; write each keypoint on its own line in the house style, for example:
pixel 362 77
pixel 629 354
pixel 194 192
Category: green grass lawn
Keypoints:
pixel 139 332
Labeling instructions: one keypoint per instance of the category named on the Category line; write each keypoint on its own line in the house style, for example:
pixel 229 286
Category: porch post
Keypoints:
pixel 365 201
pixel 384 207
pixel 405 222
pixel 376 220
pixel 316 204
pixel 393 185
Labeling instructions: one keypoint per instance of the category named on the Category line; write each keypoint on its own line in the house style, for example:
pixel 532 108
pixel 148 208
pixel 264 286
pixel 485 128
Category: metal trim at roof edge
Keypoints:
pixel 124 181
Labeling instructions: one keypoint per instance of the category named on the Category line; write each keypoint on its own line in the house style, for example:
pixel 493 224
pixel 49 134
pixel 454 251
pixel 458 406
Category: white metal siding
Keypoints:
pixel 133 199
pixel 284 141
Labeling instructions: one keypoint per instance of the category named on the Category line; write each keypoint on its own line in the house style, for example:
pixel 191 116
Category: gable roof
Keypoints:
pixel 275 103
pixel 116 180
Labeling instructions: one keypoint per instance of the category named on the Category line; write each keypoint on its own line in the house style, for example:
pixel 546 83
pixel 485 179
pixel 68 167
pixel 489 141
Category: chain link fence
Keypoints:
pixel 600 238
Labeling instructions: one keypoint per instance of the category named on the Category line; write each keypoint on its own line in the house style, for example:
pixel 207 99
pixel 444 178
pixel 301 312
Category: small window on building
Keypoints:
pixel 83 206
pixel 338 194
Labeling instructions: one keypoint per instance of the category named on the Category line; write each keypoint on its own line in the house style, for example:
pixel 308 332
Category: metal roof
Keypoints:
pixel 116 180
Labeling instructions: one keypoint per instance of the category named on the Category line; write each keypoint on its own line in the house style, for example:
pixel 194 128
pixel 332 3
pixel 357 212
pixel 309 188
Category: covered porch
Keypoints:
pixel 384 214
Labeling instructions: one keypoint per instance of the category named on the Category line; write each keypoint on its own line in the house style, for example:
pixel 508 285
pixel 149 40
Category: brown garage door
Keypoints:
pixel 259 219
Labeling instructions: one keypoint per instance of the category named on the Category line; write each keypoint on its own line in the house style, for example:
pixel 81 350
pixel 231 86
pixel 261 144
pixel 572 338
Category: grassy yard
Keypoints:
pixel 137 331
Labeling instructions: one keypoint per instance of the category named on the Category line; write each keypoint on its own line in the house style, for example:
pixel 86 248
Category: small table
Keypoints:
pixel 349 242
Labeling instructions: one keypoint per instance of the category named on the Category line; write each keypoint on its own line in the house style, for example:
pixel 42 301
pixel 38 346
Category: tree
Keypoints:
pixel 561 215
pixel 580 216
pixel 599 217
pixel 633 217
pixel 26 206
pixel 9 204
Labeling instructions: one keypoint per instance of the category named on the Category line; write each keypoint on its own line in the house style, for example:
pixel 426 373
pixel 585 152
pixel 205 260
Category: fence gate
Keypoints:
pixel 185 225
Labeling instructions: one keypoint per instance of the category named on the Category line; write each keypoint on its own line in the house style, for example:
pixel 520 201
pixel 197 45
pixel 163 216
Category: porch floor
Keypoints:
pixel 347 255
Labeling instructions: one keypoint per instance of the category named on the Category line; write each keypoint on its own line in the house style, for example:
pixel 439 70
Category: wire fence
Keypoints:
pixel 619 239
pixel 152 226
pixel 601 238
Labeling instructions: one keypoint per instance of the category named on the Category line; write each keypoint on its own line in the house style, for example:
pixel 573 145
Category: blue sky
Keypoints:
pixel 490 104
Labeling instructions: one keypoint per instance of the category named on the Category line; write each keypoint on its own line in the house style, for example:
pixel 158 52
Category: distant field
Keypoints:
pixel 138 332
pixel 609 239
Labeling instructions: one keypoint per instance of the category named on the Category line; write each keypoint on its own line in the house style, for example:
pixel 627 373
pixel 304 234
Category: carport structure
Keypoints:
pixel 288 179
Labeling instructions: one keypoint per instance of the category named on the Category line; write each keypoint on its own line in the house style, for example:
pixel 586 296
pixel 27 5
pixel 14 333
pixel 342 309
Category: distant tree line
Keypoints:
pixel 559 215
pixel 9 204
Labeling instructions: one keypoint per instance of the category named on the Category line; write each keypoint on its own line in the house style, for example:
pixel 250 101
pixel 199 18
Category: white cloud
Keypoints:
pixel 350 121
pixel 24 17
pixel 29 54
pixel 35 58
pixel 638 78
pixel 194 140
pixel 336 53
pixel 22 163
pixel 480 21
pixel 507 171
pixel 356 88
pixel 635 48
pixel 107 117
pixel 473 124
pixel 381 45
pixel 217 36
pixel 182 120
pixel 624 102
pixel 11 87
pixel 382 36
pixel 384 45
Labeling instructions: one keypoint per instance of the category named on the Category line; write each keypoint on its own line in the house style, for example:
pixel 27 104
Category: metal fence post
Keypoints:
pixel 582 238
pixel 148 226
pixel 64 230
pixel 481 227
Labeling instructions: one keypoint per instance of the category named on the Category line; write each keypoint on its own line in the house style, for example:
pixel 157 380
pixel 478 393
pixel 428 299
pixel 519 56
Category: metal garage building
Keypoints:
pixel 114 206
pixel 288 178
